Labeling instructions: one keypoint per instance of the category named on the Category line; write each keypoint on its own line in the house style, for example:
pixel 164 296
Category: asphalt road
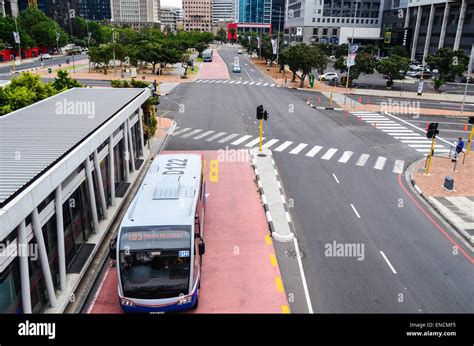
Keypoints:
pixel 6 69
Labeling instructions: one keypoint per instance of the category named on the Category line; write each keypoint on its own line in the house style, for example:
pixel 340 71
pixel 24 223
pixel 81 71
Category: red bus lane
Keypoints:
pixel 240 272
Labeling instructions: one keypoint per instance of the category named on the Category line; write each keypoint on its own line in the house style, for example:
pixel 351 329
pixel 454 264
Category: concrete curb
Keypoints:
pixel 274 233
pixel 456 231
pixel 324 108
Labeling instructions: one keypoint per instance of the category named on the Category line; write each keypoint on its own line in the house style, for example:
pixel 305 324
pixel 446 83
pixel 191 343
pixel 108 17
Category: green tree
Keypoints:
pixel 23 91
pixel 222 35
pixel 41 28
pixel 101 56
pixel 391 68
pixel 449 63
pixel 63 81
pixel 200 47
pixel 399 50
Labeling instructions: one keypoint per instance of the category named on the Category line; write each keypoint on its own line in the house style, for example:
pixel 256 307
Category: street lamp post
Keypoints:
pixel 348 51
pixel 113 50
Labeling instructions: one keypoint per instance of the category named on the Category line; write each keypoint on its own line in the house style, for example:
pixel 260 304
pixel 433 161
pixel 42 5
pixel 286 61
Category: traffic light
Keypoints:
pixel 471 120
pixel 432 130
pixel 260 112
pixel 265 115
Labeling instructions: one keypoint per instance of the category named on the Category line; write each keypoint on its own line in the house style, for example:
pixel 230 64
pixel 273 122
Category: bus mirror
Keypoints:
pixel 202 248
pixel 113 248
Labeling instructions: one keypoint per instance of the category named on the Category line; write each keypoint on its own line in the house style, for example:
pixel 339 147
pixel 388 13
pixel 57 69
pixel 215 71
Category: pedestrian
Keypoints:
pixel 459 148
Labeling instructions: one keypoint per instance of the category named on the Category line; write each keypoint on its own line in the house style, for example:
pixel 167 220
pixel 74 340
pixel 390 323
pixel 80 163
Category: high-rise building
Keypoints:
pixel 168 18
pixel 334 21
pixel 136 11
pixel 197 15
pixel 278 15
pixel 8 8
pixel 394 32
pixel 223 11
pixel 254 11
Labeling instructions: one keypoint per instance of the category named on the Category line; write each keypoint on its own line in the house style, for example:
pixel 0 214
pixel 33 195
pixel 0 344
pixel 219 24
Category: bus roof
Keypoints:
pixel 168 194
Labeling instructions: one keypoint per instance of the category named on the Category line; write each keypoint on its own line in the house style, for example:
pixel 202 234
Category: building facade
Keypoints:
pixel 67 177
pixel 135 11
pixel 168 18
pixel 223 11
pixel 334 21
pixel 197 15
pixel 394 32
pixel 254 11
pixel 9 8
pixel 278 15
pixel 438 24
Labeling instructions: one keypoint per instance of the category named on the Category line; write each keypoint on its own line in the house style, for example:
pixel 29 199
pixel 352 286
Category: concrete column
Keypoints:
pixel 140 124
pixel 90 185
pixel 428 32
pixel 100 184
pixel 24 271
pixel 444 26
pixel 416 33
pixel 462 15
pixel 58 205
pixel 130 143
pixel 127 153
pixel 43 257
pixel 407 18
pixel 112 170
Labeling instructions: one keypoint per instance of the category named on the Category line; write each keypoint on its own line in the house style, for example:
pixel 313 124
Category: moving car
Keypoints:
pixel 239 51
pixel 330 76
pixel 207 55
pixel 46 57
pixel 236 68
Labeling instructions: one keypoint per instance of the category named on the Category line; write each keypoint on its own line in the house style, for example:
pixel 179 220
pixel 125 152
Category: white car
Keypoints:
pixel 330 76
pixel 46 57
pixel 332 58
pixel 239 51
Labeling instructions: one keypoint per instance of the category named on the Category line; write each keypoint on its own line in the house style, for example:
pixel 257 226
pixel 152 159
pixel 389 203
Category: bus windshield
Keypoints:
pixel 155 261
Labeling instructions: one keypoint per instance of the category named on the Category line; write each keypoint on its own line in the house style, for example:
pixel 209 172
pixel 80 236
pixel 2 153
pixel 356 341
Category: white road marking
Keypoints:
pixel 220 134
pixel 181 131
pixel 284 146
pixel 330 153
pixel 303 277
pixel 202 135
pixel 232 81
pixel 265 84
pixel 246 82
pixel 199 81
pixel 189 134
pixel 355 211
pixel 380 163
pixel 258 84
pixel 337 180
pixel 398 166
pixel 254 142
pixel 219 81
pixel 270 143
pixel 314 151
pixel 414 141
pixel 345 156
pixel 298 148
pixel 272 85
pixel 362 160
pixel 205 81
pixel 252 83
pixel 238 82
pixel 397 131
pixel 241 140
pixel 226 81
pixel 388 262
pixel 228 138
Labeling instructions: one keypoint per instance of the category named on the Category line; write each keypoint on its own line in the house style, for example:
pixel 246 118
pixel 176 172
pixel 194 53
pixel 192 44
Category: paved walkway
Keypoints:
pixel 457 206
pixel 216 69
pixel 240 272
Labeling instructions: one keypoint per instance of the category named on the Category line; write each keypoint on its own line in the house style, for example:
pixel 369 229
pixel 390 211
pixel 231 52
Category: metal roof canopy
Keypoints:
pixel 34 138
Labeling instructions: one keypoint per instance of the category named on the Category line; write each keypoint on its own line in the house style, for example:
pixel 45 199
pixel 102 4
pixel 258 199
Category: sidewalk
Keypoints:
pixel 456 207
pixel 216 69
pixel 364 95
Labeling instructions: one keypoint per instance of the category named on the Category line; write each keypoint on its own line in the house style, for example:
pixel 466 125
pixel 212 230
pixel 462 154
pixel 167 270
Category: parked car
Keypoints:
pixel 468 79
pixel 46 57
pixel 332 58
pixel 330 76
pixel 417 74
pixel 236 68
pixel 239 51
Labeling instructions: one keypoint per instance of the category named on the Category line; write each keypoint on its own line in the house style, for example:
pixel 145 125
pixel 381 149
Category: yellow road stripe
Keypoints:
pixel 279 284
pixel 268 240
pixel 285 309
pixel 273 260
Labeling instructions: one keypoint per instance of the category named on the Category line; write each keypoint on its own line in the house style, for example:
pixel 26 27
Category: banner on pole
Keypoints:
pixel 274 46
pixel 16 36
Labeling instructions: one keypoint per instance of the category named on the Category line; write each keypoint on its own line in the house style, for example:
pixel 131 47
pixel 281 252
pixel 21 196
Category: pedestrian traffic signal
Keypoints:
pixel 432 130
pixel 265 115
pixel 471 120
pixel 260 112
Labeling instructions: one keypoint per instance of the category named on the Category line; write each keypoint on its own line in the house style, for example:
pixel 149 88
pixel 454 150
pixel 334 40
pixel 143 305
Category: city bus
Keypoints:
pixel 159 245
pixel 207 55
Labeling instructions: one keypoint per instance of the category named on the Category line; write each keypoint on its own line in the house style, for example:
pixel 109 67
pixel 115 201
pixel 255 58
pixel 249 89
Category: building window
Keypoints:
pixel 10 289
pixel 314 19
pixel 334 32
pixel 315 31
pixel 325 32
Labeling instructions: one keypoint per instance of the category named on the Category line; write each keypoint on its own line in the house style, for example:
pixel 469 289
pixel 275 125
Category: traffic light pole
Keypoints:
pixel 261 132
pixel 470 140
pixel 430 156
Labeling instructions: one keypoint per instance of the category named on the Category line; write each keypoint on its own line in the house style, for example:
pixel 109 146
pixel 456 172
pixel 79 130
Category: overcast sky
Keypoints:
pixel 174 3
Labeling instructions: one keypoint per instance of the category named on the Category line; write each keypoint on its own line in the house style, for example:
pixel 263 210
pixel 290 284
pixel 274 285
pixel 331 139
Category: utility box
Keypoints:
pixel 449 183
pixel 311 80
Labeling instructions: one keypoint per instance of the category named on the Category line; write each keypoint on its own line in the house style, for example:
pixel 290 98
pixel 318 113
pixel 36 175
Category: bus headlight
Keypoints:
pixel 185 300
pixel 127 302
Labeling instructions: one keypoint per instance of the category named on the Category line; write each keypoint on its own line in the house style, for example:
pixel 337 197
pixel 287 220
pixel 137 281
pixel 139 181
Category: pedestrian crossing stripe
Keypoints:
pixel 398 131
pixel 238 82
pixel 294 148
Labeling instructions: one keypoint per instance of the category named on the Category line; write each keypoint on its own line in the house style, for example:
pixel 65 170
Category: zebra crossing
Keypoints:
pixel 236 82
pixel 411 138
pixel 378 163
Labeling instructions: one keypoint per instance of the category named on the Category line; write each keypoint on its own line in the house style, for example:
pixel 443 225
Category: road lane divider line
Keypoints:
pixel 303 277
pixel 388 262
pixel 355 211
pixel 273 260
pixel 335 178
pixel 279 284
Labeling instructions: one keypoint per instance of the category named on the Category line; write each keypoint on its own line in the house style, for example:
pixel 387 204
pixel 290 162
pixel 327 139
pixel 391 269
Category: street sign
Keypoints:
pixel 299 31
